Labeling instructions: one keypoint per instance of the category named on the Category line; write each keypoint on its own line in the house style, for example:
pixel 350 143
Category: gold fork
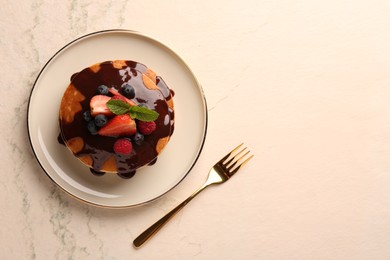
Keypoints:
pixel 219 173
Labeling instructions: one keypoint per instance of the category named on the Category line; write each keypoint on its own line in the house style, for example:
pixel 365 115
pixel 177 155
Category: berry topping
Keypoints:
pixel 100 120
pixel 121 125
pixel 123 146
pixel 92 128
pixel 98 105
pixel 119 107
pixel 128 91
pixel 87 116
pixel 116 93
pixel 103 90
pixel 138 138
pixel 146 128
pixel 119 97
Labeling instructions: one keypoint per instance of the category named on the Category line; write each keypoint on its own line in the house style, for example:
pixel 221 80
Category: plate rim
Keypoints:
pixel 126 31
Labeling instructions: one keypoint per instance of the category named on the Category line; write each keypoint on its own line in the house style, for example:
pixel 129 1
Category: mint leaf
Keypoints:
pixel 118 107
pixel 132 114
pixel 143 113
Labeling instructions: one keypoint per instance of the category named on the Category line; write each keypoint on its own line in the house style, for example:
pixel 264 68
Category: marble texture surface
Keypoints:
pixel 304 83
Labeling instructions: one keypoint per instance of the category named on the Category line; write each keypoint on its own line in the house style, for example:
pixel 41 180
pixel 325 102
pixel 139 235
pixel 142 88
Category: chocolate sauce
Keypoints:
pixel 153 161
pixel 96 173
pixel 127 175
pixel 60 140
pixel 168 93
pixel 73 76
pixel 100 148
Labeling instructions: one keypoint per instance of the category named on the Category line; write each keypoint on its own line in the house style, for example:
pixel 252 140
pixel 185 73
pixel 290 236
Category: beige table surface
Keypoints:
pixel 305 84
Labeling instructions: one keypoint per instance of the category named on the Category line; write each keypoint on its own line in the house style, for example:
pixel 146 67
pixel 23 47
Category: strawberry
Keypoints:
pixel 121 125
pixel 116 93
pixel 119 97
pixel 98 105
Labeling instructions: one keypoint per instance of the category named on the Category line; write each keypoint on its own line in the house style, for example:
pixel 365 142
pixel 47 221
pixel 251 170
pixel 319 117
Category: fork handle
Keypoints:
pixel 153 229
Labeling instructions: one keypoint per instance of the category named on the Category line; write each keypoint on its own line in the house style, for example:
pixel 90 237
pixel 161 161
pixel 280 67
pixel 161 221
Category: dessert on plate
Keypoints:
pixel 116 116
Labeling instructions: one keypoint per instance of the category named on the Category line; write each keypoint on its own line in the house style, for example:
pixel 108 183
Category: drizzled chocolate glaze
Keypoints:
pixel 100 148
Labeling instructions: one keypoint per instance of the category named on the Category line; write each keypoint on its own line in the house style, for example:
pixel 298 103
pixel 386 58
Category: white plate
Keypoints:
pixel 109 190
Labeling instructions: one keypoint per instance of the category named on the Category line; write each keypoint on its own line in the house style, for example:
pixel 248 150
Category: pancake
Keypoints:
pixel 96 149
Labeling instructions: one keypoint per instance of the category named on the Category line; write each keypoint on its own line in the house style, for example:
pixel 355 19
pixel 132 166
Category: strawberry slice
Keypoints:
pixel 117 94
pixel 121 125
pixel 119 97
pixel 98 105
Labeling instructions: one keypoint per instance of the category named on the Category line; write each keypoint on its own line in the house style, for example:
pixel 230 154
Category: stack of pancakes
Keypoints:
pixel 96 151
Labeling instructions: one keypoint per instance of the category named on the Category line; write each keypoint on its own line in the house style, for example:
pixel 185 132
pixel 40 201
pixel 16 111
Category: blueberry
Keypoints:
pixel 138 138
pixel 87 116
pixel 100 120
pixel 103 90
pixel 92 128
pixel 128 91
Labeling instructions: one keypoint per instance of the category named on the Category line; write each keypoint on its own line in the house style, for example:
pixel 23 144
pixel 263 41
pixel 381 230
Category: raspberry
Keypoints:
pixel 123 146
pixel 119 97
pixel 146 128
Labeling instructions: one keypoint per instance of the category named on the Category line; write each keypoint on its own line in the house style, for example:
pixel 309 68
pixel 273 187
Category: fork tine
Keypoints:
pixel 231 172
pixel 227 156
pixel 235 156
pixel 236 159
